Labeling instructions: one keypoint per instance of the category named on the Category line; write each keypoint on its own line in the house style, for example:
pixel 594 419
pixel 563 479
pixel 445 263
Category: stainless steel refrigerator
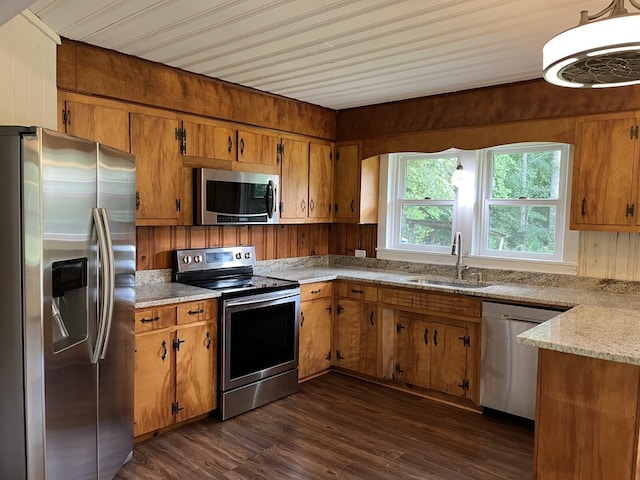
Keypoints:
pixel 67 294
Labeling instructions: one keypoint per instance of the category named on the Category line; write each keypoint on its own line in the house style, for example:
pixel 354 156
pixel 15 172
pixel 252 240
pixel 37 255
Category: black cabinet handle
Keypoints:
pixel 353 290
pixel 435 338
pixel 313 292
pixel 229 144
pixel 164 351
pixel 241 145
pixel 353 206
pixel 149 320
pixel 301 319
pixel 426 336
pixel 137 200
pixel 303 205
pixel 371 318
pixel 583 207
pixel 196 312
pixel 208 341
pixel 312 205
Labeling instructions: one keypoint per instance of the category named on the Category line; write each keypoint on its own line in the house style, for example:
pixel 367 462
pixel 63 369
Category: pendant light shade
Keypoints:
pixel 599 52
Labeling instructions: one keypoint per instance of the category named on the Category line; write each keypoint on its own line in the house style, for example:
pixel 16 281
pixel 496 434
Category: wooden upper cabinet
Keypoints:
pixel 257 152
pixel 94 119
pixel 158 169
pixel 294 186
pixel 204 143
pixel 347 180
pixel 369 190
pixel 320 181
pixel 605 183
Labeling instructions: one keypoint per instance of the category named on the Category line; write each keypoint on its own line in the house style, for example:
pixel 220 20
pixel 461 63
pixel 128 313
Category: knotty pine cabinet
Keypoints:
pixel 605 173
pixel 357 329
pixel 347 181
pixel 95 119
pixel 257 152
pixel 159 186
pixel 316 325
pixel 432 353
pixel 175 364
pixel 306 182
pixel 436 340
pixel 208 143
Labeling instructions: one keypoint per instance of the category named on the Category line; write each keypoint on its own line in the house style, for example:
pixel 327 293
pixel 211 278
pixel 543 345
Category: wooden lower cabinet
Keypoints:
pixel 431 353
pixel 175 368
pixel 357 336
pixel 316 319
pixel 587 422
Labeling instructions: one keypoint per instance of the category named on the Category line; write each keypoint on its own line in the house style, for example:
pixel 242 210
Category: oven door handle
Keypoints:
pixel 251 300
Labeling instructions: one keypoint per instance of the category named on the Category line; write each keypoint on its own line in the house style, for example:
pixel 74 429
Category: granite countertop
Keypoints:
pixel 591 331
pixel 599 324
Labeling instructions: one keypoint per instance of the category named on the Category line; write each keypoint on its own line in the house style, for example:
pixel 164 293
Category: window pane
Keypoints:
pixel 429 178
pixel 426 226
pixel 522 229
pixel 526 175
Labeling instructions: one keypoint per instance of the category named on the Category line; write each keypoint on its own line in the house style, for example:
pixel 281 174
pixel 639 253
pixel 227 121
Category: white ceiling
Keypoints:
pixel 334 53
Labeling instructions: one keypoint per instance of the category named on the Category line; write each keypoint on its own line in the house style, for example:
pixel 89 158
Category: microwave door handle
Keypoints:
pixel 270 199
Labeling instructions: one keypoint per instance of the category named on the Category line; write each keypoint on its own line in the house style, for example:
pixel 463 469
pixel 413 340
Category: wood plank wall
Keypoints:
pixel 155 244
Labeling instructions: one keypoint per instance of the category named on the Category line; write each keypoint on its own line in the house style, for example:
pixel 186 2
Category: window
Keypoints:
pixel 523 200
pixel 424 205
pixel 512 207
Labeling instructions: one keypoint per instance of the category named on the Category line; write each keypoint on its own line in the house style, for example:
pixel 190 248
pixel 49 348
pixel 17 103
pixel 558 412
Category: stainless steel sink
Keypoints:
pixel 449 283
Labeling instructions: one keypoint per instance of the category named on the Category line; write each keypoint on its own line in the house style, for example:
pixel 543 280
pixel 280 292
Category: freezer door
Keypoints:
pixel 116 196
pixel 69 302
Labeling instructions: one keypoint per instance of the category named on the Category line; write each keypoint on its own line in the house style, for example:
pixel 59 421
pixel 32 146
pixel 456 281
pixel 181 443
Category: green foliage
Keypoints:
pixel 429 177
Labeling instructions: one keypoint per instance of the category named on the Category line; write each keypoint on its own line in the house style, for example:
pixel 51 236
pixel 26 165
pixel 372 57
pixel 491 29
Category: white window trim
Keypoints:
pixel 466 223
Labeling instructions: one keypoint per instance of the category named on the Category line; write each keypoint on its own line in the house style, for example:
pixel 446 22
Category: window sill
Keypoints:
pixel 477 261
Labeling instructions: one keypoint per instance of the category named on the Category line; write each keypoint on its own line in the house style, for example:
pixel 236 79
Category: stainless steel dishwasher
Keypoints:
pixel 508 370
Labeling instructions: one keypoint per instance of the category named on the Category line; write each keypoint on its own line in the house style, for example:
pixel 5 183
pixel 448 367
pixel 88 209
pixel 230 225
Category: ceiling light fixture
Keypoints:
pixel 599 52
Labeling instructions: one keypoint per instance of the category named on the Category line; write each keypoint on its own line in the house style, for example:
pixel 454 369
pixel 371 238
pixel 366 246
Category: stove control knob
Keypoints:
pixel 238 255
pixel 186 259
pixel 197 258
pixel 247 255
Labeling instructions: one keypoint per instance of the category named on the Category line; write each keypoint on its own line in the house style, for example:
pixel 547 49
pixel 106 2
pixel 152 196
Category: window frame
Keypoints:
pixel 399 186
pixel 468 218
pixel 485 202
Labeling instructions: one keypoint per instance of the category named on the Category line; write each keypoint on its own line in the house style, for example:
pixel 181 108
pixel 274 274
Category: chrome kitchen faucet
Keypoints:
pixel 456 249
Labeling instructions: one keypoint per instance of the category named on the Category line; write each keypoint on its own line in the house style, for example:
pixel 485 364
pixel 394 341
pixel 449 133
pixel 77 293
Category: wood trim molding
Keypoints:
pixel 88 69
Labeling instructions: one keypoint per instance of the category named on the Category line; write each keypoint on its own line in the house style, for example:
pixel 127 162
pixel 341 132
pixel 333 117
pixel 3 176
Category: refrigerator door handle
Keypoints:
pixel 104 269
pixel 112 282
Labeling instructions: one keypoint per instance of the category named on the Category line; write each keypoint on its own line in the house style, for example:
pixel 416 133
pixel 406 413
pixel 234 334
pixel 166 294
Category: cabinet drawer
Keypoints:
pixel 434 302
pixel 358 291
pixel 197 311
pixel 311 291
pixel 154 318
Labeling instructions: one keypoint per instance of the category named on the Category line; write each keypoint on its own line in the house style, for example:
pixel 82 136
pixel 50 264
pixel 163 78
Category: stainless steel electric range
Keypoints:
pixel 258 325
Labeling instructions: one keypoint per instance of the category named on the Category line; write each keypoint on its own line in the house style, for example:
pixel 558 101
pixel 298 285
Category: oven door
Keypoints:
pixel 259 337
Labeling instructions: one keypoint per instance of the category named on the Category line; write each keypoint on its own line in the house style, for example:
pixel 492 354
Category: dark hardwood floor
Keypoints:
pixel 338 427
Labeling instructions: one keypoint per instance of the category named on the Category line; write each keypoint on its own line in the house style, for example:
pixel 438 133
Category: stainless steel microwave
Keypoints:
pixel 224 197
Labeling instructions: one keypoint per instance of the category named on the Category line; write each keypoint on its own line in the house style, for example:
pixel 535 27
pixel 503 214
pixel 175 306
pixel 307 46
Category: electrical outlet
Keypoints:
pixel 361 253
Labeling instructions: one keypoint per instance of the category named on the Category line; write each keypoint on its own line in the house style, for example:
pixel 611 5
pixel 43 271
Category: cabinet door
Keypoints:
pixel 195 371
pixel 448 359
pixel 294 187
pixel 248 151
pixel 347 180
pixel 108 125
pixel 413 362
pixel 320 181
pixel 357 336
pixel 205 141
pixel 154 382
pixel 158 169
pixel 315 336
pixel 605 171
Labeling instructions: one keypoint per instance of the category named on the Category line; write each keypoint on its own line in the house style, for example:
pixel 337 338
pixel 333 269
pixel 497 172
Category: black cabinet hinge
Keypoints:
pixel 176 344
pixel 630 210
pixel 339 309
pixel 281 207
pixel 181 136
pixel 328 357
pixel 338 356
pixel 175 408
pixel 398 369
pixel 66 117
pixel 466 340
pixel 330 309
pixel 399 327
pixel 464 385
pixel 634 132
pixel 337 156
pixel 178 205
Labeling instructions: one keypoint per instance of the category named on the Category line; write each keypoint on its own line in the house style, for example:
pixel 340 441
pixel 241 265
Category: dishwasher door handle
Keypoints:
pixel 520 319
